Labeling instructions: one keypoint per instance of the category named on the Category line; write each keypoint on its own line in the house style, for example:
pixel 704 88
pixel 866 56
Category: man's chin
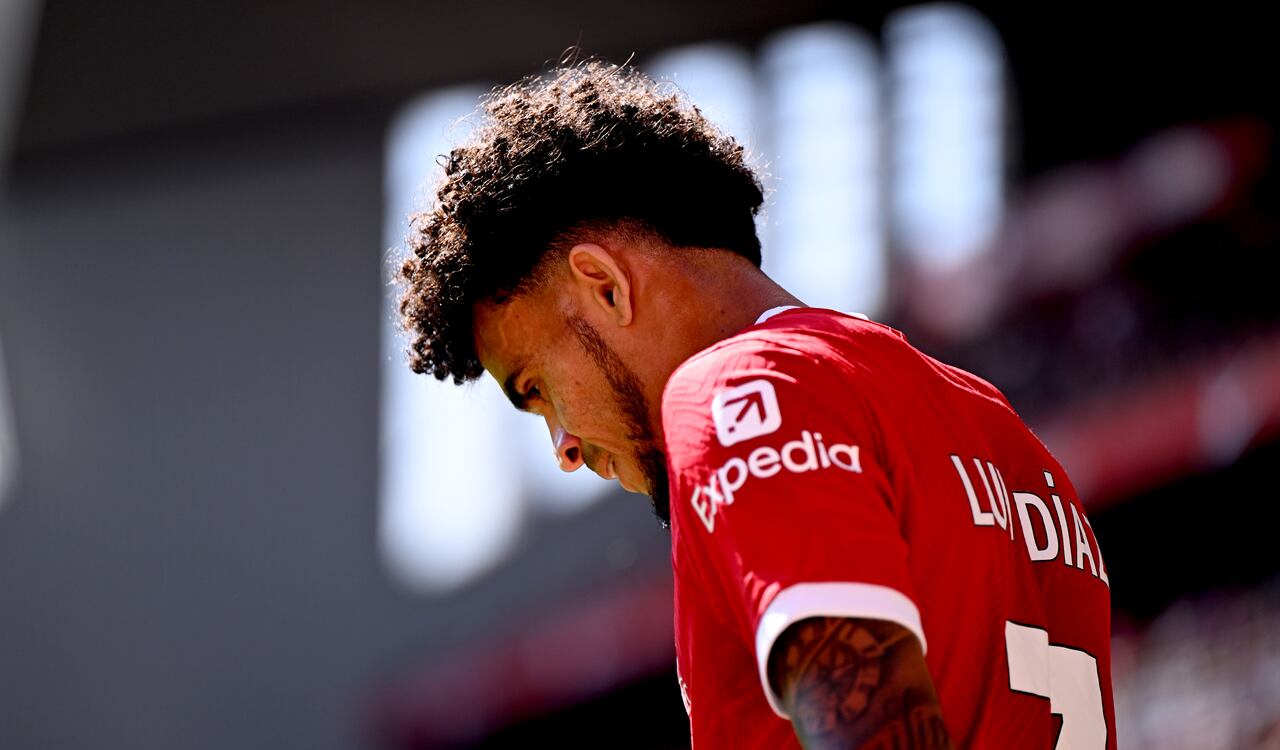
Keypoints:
pixel 654 482
pixel 661 508
pixel 660 501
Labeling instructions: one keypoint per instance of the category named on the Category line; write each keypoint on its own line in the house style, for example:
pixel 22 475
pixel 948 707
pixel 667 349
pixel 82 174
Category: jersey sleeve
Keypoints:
pixel 781 504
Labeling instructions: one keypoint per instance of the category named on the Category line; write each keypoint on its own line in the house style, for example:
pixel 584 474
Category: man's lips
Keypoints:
pixel 614 472
pixel 608 470
pixel 611 472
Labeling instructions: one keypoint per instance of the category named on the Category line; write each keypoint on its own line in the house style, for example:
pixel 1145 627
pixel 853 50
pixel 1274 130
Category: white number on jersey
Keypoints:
pixel 1067 676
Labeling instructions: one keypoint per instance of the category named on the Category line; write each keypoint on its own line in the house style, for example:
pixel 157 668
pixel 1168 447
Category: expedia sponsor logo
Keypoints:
pixel 807 453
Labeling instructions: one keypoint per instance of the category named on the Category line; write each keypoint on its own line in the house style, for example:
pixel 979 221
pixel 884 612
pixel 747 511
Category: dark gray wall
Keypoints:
pixel 189 557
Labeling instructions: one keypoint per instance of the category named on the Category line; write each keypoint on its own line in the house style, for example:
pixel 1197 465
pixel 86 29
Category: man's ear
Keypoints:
pixel 605 278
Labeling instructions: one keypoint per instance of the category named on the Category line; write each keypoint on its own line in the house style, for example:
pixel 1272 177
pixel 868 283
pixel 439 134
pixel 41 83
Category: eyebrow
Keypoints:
pixel 518 400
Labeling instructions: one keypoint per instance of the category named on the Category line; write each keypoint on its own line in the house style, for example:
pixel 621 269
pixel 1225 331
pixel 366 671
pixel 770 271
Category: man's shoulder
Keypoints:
pixel 801 342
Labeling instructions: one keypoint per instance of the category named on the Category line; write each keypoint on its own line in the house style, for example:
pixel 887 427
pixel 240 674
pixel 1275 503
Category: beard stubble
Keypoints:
pixel 628 393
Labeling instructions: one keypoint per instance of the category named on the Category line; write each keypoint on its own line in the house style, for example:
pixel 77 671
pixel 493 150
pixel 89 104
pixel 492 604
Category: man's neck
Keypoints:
pixel 712 298
pixel 736 301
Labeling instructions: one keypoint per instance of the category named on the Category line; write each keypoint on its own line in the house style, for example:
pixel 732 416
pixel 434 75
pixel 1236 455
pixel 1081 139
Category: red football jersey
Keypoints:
pixel 822 466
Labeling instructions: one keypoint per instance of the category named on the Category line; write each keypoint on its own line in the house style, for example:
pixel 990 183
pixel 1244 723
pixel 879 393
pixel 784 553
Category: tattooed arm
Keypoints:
pixel 856 683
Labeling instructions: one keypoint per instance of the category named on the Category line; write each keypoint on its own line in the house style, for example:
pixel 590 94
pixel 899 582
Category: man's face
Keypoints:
pixel 555 363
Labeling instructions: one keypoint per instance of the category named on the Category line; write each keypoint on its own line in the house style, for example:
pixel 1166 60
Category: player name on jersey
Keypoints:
pixel 1047 535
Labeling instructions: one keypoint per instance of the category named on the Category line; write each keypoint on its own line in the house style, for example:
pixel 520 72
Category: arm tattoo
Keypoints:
pixel 854 683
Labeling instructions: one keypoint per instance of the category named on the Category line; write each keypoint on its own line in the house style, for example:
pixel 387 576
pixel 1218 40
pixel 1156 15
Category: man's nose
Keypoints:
pixel 568 449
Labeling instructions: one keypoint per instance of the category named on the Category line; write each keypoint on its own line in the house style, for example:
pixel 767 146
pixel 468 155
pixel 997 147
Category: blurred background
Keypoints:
pixel 231 517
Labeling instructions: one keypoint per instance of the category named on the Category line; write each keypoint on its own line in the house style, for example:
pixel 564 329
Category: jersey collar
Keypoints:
pixel 773 311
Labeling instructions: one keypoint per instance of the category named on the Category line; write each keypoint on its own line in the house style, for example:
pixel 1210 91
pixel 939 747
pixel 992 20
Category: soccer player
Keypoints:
pixel 871 550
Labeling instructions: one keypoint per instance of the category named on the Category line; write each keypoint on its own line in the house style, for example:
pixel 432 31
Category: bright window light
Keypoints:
pixel 946 78
pixel 824 237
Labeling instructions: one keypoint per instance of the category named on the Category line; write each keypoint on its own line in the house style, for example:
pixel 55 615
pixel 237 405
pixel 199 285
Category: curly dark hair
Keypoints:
pixel 584 148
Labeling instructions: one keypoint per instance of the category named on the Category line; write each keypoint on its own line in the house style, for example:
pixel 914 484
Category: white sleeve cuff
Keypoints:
pixel 833 599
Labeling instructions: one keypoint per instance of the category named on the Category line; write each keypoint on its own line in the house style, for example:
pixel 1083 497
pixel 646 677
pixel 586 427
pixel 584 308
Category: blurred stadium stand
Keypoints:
pixel 196 549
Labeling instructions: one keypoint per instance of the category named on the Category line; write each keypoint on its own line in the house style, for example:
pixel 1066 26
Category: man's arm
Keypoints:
pixel 856 683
